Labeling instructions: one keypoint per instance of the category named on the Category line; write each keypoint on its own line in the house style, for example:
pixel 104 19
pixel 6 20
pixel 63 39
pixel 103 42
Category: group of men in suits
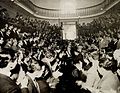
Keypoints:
pixel 14 79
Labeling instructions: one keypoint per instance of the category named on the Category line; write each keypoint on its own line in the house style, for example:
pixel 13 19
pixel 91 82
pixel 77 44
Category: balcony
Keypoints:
pixel 56 13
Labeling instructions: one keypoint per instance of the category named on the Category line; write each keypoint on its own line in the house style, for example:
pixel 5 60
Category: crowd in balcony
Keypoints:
pixel 35 59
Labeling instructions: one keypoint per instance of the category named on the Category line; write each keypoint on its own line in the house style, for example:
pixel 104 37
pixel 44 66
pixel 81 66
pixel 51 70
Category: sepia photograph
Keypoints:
pixel 59 46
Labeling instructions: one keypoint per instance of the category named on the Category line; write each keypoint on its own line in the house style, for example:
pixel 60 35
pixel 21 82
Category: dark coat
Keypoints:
pixel 7 85
pixel 43 85
pixel 31 86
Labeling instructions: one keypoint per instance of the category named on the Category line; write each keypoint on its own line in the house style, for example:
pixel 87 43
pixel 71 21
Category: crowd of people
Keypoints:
pixel 35 59
pixel 102 35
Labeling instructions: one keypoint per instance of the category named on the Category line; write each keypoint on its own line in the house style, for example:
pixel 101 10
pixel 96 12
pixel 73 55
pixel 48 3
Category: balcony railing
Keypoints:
pixel 56 13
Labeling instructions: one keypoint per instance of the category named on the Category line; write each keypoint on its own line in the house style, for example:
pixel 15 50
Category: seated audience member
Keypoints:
pixel 118 42
pixel 7 85
pixel 36 75
pixel 109 83
pixel 22 72
pixel 92 73
pixel 116 55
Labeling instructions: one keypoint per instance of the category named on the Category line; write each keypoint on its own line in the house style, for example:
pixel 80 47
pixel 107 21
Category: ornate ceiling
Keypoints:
pixel 56 4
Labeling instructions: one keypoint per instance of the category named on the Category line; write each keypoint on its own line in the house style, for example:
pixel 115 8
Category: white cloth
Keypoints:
pixel 92 75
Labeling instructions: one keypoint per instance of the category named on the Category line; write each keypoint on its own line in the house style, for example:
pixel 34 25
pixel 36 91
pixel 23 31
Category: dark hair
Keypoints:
pixel 15 70
pixel 9 51
pixel 110 65
pixel 24 67
pixel 3 63
pixel 101 61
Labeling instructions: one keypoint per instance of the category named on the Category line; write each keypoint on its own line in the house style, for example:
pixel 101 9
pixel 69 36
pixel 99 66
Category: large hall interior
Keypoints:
pixel 59 46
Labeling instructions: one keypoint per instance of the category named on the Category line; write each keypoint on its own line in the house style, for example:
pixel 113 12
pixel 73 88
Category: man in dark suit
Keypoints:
pixel 118 42
pixel 7 85
pixel 113 44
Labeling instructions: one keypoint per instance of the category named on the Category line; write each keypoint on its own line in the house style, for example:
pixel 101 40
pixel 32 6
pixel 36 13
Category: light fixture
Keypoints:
pixel 101 9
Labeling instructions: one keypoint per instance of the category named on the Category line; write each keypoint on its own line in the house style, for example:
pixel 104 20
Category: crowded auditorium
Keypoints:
pixel 59 46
